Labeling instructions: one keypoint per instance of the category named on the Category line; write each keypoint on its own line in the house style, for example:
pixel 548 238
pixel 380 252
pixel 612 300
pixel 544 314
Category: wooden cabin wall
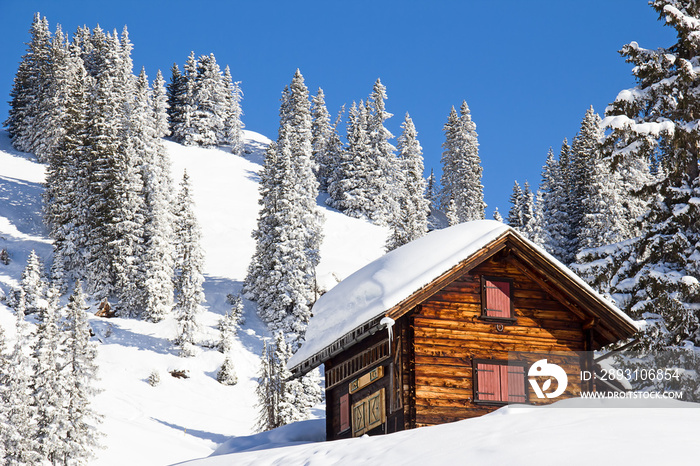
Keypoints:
pixel 391 382
pixel 448 335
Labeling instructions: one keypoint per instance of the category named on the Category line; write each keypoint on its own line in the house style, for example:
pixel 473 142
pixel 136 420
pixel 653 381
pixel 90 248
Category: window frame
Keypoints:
pixel 500 363
pixel 484 302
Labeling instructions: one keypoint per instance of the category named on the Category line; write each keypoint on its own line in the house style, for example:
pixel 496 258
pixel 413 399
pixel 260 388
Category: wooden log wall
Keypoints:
pixel 448 335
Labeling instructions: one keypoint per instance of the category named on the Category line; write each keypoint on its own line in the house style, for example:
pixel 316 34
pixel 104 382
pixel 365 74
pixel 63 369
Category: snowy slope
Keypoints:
pixel 571 432
pixel 179 419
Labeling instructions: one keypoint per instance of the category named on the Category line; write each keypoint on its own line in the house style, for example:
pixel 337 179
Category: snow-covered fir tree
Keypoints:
pixel 281 276
pixel 410 222
pixel 30 85
pixel 20 436
pixel 431 190
pixel 461 167
pixel 347 187
pixel 155 297
pixel 281 399
pixel 189 266
pixel 33 285
pixel 81 437
pixel 554 204
pixel 48 384
pixel 64 188
pixel 522 209
pixel 233 123
pixel 384 187
pixel 228 325
pixel 182 101
pixel 159 102
pixel 515 218
pixel 497 215
pixel 210 101
pixel 268 391
pixel 177 92
pixel 364 182
pixel 320 139
pixel 655 276
pixel 451 213
pixel 585 154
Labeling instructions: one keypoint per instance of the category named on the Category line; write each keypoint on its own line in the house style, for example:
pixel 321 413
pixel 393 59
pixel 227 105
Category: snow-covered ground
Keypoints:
pixel 570 432
pixel 179 419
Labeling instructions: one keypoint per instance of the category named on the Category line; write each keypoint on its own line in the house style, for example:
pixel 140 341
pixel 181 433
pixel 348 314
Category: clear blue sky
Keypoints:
pixel 527 69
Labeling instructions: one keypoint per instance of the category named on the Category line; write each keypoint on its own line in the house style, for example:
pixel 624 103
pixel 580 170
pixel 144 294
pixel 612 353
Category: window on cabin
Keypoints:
pixel 496 299
pixel 498 382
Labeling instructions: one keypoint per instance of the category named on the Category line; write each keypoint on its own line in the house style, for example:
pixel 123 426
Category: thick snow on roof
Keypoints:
pixel 387 281
pixel 384 283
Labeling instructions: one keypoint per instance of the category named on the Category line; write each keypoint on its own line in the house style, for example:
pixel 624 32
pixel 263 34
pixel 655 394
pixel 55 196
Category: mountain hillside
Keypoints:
pixel 179 419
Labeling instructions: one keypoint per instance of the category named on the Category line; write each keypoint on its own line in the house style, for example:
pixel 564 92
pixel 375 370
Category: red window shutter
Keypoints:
pixel 516 384
pixel 497 298
pixel 503 395
pixel 344 412
pixel 488 382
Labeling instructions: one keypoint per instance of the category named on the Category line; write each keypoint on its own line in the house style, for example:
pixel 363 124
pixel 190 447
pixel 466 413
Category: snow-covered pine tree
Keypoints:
pixel 154 298
pixel 335 152
pixel 210 103
pixel 461 167
pixel 281 399
pixel 106 177
pixel 288 235
pixel 431 190
pixel 497 215
pixel 347 188
pixel 585 153
pixel 451 213
pixel 228 325
pixel 233 123
pixel 320 139
pixel 159 103
pixel 20 436
pixel 280 278
pixel 81 436
pixel 33 285
pixel 64 192
pixel 49 383
pixel 177 91
pixel 267 392
pixel 411 220
pixel 48 126
pixel 383 181
pixel 515 214
pixel 655 277
pixel 182 118
pixel 527 211
pixel 29 85
pixel 535 230
pixel 554 204
pixel 189 267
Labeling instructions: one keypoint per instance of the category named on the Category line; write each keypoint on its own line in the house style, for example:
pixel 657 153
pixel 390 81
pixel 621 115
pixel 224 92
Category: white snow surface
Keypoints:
pixel 387 281
pixel 572 432
pixel 179 419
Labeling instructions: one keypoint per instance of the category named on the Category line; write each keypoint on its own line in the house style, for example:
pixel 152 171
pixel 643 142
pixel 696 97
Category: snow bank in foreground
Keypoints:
pixel 568 432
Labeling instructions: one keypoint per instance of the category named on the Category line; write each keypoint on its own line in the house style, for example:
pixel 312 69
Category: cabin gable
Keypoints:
pixel 454 334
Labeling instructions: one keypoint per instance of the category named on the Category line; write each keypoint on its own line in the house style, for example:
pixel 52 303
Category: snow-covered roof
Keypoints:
pixel 379 286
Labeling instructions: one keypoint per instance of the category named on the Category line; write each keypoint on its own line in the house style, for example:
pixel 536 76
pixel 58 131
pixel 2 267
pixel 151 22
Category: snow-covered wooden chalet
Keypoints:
pixel 427 333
